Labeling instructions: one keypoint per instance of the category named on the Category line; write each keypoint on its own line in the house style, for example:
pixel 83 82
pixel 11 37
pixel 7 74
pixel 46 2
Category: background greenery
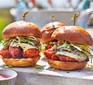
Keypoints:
pixel 5 19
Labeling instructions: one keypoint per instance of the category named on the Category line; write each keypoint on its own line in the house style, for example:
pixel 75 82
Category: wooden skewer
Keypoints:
pixel 53 18
pixel 75 16
pixel 24 14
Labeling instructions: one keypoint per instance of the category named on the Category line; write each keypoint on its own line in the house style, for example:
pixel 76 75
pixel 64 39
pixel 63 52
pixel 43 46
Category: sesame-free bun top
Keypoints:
pixel 74 34
pixel 48 29
pixel 21 28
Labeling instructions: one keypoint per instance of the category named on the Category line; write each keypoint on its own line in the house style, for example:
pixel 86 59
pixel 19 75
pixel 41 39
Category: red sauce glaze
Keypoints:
pixel 2 77
pixel 50 54
pixel 5 53
pixel 66 58
pixel 49 46
pixel 16 52
pixel 31 53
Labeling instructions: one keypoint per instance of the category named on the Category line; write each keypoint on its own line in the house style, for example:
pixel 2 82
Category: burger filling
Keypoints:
pixel 69 52
pixel 48 45
pixel 20 47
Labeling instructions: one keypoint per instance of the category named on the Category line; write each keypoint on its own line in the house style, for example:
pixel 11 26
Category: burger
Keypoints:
pixel 73 49
pixel 47 30
pixel 20 44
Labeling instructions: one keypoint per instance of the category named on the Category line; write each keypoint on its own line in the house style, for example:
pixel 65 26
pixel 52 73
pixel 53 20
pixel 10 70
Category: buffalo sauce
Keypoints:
pixel 2 77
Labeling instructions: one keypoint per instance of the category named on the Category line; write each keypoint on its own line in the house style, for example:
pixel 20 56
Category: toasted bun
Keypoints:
pixel 21 28
pixel 48 29
pixel 21 62
pixel 67 65
pixel 74 34
pixel 90 31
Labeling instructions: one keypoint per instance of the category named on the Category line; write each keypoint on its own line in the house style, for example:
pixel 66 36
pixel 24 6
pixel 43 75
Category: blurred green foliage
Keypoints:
pixel 5 19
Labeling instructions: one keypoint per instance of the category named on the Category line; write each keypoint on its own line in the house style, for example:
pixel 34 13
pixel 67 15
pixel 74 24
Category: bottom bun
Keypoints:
pixel 21 62
pixel 68 66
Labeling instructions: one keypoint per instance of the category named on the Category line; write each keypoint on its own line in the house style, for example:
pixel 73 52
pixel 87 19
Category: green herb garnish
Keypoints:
pixel 10 66
pixel 39 67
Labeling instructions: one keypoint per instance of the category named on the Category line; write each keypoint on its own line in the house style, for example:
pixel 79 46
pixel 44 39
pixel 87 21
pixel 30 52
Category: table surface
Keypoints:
pixel 86 73
pixel 48 75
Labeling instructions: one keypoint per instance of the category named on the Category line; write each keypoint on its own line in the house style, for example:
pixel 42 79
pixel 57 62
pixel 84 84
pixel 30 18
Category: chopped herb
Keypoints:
pixel 10 66
pixel 39 67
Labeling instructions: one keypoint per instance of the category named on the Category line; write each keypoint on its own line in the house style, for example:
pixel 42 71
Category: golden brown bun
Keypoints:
pixel 48 29
pixel 21 62
pixel 74 34
pixel 21 28
pixel 67 65
pixel 90 31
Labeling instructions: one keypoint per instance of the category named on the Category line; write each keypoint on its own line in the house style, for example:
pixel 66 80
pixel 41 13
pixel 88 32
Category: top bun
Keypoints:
pixel 48 29
pixel 21 28
pixel 74 34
